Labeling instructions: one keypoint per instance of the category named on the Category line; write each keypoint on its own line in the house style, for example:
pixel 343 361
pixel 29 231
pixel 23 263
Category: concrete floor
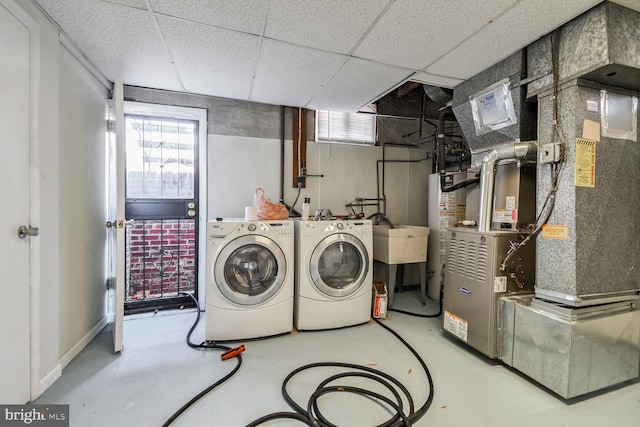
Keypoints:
pixel 157 372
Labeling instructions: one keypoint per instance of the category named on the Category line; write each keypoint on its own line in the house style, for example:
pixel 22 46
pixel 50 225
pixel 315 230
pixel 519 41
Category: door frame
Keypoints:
pixel 199 115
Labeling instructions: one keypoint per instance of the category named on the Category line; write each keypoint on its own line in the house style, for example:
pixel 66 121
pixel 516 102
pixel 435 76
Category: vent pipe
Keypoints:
pixel 513 150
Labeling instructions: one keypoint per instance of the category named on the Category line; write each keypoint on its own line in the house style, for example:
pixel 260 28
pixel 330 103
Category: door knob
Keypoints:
pixel 120 223
pixel 24 231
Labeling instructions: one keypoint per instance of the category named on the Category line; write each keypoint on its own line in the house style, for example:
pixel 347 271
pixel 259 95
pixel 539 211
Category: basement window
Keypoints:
pixel 346 128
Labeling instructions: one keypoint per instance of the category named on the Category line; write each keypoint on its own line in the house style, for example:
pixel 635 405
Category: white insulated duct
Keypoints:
pixel 512 150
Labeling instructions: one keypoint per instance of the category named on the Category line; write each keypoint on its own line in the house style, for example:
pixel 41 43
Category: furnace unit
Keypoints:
pixel 474 282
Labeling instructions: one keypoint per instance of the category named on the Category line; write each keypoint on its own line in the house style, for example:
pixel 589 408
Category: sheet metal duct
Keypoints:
pixel 600 45
pixel 598 258
pixel 512 68
pixel 438 94
pixel 588 349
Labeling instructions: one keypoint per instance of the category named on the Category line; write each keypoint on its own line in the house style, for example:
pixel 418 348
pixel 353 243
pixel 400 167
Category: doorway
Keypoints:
pixel 162 211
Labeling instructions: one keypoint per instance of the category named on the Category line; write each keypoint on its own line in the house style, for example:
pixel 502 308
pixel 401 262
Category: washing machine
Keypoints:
pixel 334 276
pixel 250 279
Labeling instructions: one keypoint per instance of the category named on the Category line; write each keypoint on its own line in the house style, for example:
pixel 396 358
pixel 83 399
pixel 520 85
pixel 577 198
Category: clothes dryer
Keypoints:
pixel 250 279
pixel 334 277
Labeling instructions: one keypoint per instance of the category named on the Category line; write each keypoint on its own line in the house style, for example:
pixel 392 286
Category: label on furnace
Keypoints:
pixel 456 325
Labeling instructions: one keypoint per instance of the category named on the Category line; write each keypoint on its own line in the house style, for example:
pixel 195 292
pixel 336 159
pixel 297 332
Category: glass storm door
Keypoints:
pixel 161 209
pixel 338 265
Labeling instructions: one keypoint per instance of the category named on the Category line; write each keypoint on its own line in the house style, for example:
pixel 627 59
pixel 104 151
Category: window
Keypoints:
pixel 160 157
pixel 350 128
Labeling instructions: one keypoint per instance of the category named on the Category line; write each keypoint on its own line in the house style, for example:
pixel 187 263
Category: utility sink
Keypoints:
pixel 402 244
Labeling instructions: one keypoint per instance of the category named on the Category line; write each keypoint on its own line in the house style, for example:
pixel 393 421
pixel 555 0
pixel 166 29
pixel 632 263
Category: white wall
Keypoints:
pixel 83 106
pixel 237 165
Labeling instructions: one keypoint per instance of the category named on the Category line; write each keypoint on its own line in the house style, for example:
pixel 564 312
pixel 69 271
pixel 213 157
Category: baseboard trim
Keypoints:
pixel 46 381
pixel 66 358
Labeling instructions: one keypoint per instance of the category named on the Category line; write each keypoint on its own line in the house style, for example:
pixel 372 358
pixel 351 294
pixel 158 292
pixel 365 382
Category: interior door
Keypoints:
pixel 14 193
pixel 116 222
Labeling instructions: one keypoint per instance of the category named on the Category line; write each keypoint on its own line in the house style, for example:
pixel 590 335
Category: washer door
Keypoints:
pixel 339 265
pixel 250 269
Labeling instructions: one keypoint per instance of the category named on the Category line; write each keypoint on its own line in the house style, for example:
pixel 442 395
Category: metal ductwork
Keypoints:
pixel 438 94
pixel 524 128
pixel 601 219
pixel 609 33
pixel 515 150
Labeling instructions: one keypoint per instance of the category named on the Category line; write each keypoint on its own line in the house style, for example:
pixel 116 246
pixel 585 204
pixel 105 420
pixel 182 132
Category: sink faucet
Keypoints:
pixel 381 218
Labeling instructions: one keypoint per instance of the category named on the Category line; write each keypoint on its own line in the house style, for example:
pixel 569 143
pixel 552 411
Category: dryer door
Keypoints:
pixel 250 270
pixel 339 265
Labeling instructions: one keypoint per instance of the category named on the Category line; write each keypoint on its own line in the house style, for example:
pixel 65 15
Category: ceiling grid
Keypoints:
pixel 328 54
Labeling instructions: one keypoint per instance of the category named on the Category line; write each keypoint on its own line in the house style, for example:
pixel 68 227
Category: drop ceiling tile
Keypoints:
pixel 435 80
pixel 210 60
pixel 520 26
pixel 323 24
pixel 631 4
pixel 247 16
pixel 138 4
pixel 122 42
pixel 357 83
pixel 290 75
pixel 415 33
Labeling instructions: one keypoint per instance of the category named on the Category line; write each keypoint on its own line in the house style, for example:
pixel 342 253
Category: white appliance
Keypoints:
pixel 334 277
pixel 249 279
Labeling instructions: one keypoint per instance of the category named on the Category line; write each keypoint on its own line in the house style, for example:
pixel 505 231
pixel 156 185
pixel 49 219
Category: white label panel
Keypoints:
pixel 500 284
pixel 456 325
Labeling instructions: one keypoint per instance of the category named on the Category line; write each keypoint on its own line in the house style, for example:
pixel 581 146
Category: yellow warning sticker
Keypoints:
pixel 585 174
pixel 555 231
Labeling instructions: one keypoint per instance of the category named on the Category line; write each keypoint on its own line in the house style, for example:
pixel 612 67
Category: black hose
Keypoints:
pixel 297 197
pixel 424 315
pixel 203 345
pixel 312 415
pixel 457 186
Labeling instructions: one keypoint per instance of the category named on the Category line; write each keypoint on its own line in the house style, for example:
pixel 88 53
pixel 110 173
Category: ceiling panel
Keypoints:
pixel 287 51
pixel 290 75
pixel 435 80
pixel 241 15
pixel 414 33
pixel 138 4
pixel 210 60
pixel 122 42
pixel 323 24
pixel 525 23
pixel 357 83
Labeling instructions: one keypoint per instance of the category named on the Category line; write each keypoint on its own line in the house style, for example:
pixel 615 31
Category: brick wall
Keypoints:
pixel 160 258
